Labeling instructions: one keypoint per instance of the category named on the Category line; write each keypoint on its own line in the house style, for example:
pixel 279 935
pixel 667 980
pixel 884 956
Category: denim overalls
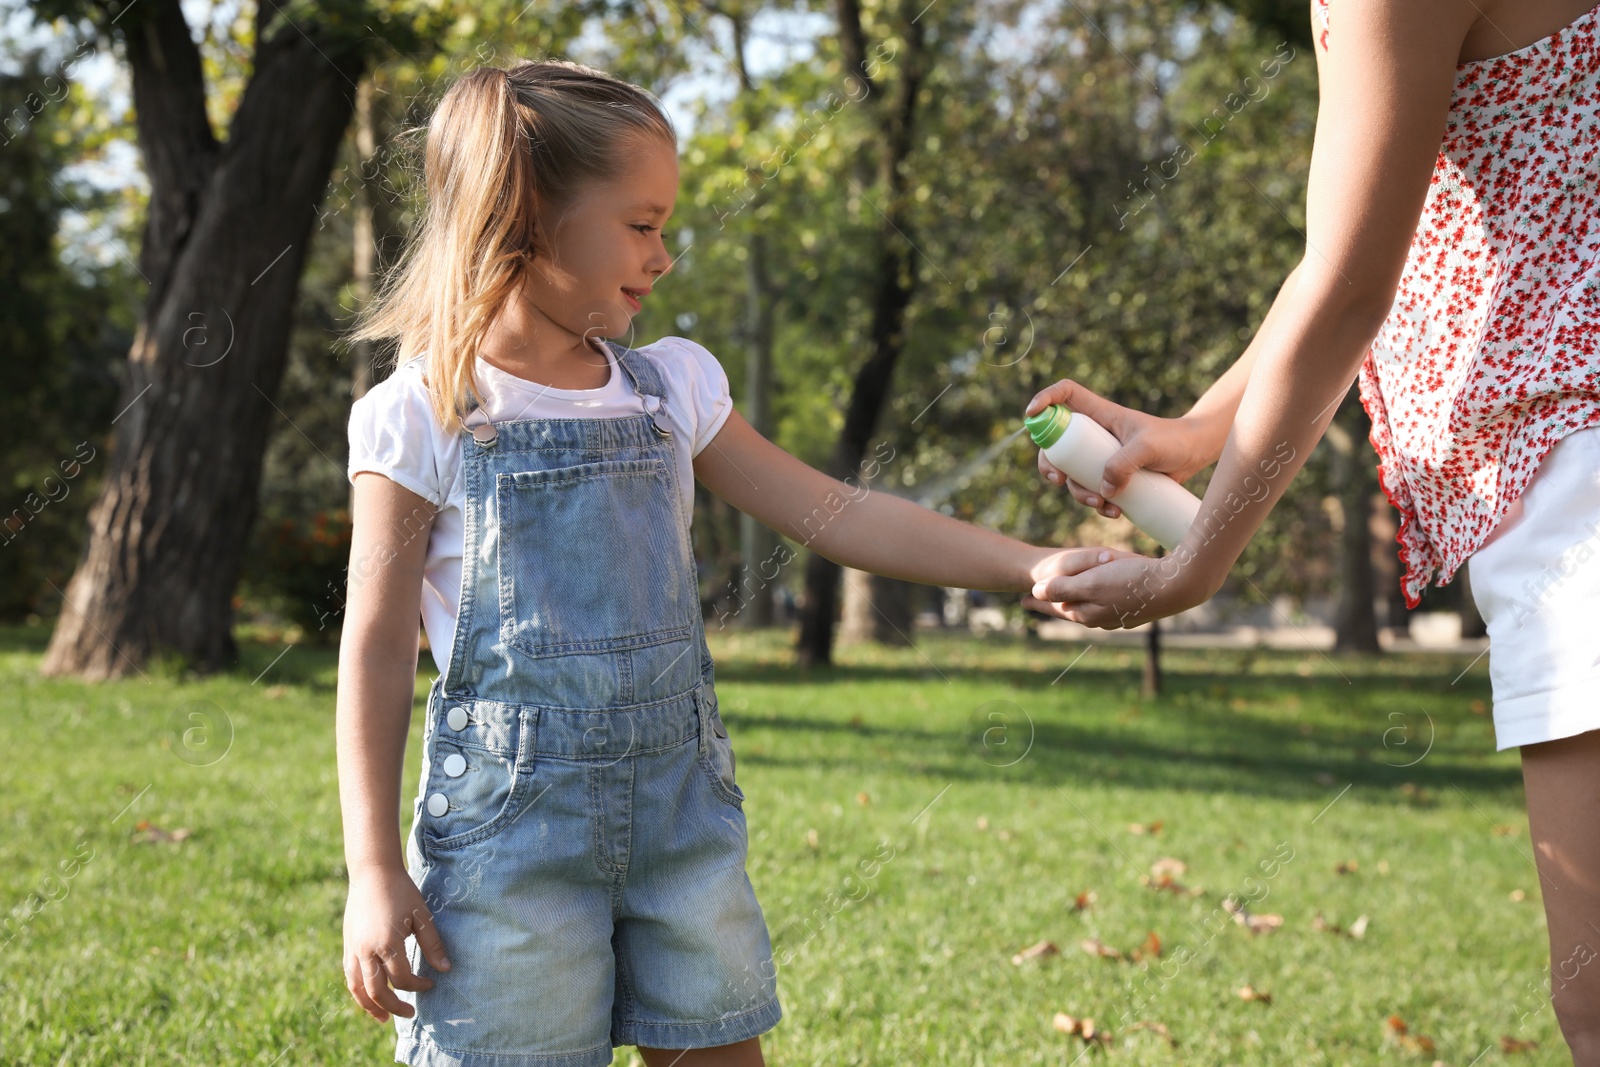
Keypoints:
pixel 578 834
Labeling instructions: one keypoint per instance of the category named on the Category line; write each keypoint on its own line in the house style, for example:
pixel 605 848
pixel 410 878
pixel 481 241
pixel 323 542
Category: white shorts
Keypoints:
pixel 1537 585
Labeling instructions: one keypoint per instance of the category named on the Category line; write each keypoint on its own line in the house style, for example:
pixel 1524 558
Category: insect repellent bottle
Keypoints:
pixel 1081 447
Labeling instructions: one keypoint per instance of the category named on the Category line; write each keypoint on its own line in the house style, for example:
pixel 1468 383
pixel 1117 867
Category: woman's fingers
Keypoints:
pixel 1075 397
pixel 1081 493
pixel 1134 454
pixel 1049 471
pixel 1089 498
pixel 1046 607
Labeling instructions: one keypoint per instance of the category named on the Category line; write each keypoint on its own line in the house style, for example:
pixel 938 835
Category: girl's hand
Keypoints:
pixel 1177 447
pixel 1071 561
pixel 1125 592
pixel 383 907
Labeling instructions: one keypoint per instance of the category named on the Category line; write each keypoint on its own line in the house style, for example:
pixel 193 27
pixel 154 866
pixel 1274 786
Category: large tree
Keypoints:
pixel 224 241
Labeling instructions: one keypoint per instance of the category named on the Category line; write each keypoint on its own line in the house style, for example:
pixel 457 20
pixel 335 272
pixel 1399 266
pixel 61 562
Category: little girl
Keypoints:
pixel 1453 259
pixel 574 877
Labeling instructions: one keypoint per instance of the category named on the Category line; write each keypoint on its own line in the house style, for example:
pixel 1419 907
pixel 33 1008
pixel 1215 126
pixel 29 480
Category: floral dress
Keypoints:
pixel 1488 356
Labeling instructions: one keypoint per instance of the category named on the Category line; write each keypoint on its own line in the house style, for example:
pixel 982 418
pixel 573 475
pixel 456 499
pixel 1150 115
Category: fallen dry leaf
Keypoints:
pixel 1479 707
pixel 1249 993
pixel 812 841
pixel 1166 883
pixel 983 822
pixel 1084 900
pixel 1357 930
pixel 1518 896
pixel 1397 1031
pixel 863 799
pixel 1151 828
pixel 1156 1028
pixel 1256 924
pixel 146 832
pixel 1513 1044
pixel 1095 947
pixel 1150 950
pixel 1036 951
pixel 1083 1028
pixel 1347 867
pixel 1507 831
pixel 1169 867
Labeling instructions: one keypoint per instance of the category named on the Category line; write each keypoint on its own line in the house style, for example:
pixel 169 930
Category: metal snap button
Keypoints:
pixel 457 718
pixel 455 765
pixel 438 804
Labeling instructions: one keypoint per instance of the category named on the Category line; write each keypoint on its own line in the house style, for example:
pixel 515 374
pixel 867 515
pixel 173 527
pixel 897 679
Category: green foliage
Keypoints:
pixel 63 326
pixel 299 570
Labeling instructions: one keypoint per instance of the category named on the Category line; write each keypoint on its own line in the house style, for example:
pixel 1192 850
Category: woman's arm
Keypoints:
pixel 1385 89
pixel 856 527
pixel 377 682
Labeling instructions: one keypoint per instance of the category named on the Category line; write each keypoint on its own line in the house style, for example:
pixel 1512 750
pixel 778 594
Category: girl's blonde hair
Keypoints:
pixel 502 143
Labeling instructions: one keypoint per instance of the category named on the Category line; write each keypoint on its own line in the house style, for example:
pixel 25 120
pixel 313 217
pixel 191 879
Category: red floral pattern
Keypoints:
pixel 1488 357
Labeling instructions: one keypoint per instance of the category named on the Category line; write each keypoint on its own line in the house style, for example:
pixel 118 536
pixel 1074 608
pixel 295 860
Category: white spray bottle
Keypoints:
pixel 1082 447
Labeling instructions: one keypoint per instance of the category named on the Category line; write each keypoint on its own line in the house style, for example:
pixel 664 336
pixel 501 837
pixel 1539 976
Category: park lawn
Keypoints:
pixel 917 818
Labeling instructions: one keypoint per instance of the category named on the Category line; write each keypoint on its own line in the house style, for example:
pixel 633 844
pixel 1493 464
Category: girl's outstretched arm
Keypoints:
pixel 377 682
pixel 871 531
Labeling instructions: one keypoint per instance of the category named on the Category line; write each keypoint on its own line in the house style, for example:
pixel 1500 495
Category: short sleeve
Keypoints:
pixel 697 387
pixel 391 433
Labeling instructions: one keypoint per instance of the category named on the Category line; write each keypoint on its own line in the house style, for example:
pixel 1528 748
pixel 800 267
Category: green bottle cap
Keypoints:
pixel 1047 427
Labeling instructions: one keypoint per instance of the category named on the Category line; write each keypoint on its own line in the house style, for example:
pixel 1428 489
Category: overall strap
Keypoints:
pixel 646 381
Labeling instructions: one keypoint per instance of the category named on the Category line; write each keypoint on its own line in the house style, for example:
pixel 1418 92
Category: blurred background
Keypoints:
pixel 897 222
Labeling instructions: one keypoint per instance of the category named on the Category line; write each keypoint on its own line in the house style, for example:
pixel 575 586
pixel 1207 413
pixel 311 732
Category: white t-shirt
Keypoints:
pixel 393 433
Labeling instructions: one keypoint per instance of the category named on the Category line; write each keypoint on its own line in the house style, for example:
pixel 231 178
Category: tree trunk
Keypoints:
pixel 363 247
pixel 892 289
pixel 224 242
pixel 1356 621
pixel 878 609
pixel 1150 683
pixel 757 544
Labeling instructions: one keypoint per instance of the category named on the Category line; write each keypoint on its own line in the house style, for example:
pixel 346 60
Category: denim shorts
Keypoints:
pixel 585 870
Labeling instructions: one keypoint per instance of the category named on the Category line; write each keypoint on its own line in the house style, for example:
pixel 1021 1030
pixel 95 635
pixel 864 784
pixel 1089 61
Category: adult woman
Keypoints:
pixel 1462 280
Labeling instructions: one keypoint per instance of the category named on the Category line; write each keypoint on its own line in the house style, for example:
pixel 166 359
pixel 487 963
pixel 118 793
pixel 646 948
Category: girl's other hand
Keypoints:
pixel 1176 447
pixel 382 909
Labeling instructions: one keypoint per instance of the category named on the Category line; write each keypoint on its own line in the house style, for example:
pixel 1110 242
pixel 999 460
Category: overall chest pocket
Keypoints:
pixel 591 558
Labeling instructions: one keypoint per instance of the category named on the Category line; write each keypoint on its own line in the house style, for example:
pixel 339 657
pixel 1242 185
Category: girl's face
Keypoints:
pixel 605 247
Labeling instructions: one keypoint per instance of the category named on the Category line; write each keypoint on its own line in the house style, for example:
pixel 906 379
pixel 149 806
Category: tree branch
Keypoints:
pixel 175 138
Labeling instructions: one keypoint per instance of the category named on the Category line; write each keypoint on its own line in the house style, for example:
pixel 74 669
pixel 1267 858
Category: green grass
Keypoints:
pixel 224 948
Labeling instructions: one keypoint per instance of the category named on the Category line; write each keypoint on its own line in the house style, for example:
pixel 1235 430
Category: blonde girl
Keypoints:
pixel 574 878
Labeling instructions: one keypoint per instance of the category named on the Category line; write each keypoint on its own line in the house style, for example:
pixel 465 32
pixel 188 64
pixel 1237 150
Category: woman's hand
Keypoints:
pixel 383 907
pixel 1176 447
pixel 1125 591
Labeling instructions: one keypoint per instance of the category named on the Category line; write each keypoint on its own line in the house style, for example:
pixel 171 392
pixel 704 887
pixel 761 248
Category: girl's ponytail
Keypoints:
pixel 500 143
